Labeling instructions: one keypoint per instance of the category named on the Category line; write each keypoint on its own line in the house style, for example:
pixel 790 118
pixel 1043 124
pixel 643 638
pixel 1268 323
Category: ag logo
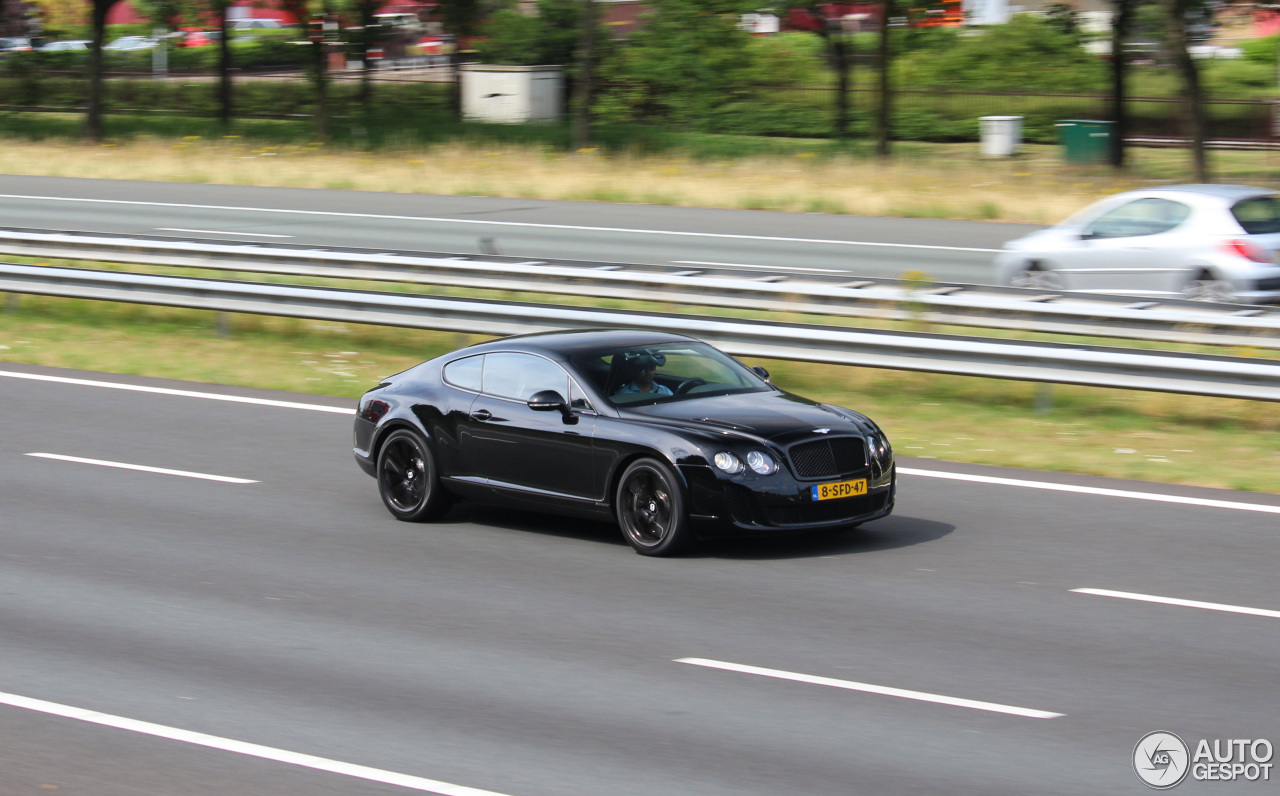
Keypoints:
pixel 1160 760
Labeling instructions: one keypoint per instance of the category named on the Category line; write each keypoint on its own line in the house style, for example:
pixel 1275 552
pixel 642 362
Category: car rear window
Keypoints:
pixel 1258 215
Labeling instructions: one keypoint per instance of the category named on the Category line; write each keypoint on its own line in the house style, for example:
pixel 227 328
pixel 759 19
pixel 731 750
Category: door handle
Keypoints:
pixel 481 414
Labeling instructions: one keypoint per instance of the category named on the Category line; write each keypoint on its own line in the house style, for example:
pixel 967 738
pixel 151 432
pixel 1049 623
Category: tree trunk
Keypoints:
pixel 1193 104
pixel 844 65
pixel 367 8
pixel 883 119
pixel 1121 21
pixel 224 67
pixel 93 118
pixel 582 87
pixel 321 66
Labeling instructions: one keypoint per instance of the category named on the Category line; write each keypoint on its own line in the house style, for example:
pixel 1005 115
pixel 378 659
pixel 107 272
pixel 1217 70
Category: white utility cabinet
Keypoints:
pixel 512 94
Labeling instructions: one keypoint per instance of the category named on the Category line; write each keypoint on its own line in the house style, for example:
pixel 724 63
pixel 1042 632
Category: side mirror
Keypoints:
pixel 761 372
pixel 552 401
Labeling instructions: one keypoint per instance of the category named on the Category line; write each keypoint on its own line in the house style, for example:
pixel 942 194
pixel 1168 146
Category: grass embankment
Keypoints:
pixel 922 180
pixel 1174 439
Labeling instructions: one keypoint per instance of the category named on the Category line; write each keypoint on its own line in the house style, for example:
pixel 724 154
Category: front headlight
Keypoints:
pixel 728 462
pixel 881 453
pixel 762 463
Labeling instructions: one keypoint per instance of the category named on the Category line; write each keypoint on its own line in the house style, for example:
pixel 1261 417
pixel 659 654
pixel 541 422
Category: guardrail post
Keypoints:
pixel 11 302
pixel 1044 397
pixel 223 325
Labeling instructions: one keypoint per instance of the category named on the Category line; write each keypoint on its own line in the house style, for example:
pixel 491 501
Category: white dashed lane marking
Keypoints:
pixel 868 688
pixel 1151 598
pixel 142 468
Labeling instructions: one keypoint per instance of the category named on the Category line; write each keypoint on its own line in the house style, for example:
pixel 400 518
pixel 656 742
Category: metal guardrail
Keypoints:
pixel 1093 315
pixel 1231 377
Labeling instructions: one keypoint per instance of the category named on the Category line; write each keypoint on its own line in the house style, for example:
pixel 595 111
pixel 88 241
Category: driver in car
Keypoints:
pixel 642 371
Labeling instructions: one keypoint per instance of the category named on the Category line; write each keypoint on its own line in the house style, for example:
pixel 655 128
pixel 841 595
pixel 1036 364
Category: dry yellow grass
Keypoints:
pixel 940 181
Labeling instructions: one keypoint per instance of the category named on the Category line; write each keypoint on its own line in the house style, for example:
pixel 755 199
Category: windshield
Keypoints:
pixel 669 372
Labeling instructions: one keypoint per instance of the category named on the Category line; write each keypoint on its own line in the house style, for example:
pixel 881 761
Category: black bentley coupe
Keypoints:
pixel 663 433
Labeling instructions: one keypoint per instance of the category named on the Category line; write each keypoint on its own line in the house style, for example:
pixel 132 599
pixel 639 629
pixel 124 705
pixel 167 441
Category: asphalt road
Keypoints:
pixel 697 238
pixel 531 655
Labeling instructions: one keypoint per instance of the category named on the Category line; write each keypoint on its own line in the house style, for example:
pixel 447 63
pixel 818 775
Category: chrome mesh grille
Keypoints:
pixel 826 458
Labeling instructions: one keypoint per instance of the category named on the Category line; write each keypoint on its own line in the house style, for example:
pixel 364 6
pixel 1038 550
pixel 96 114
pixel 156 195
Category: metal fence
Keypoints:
pixel 924 114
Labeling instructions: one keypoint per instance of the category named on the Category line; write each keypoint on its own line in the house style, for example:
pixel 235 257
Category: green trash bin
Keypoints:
pixel 1085 140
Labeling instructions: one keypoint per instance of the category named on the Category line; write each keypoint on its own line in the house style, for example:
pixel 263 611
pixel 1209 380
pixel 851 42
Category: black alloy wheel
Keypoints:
pixel 650 509
pixel 407 478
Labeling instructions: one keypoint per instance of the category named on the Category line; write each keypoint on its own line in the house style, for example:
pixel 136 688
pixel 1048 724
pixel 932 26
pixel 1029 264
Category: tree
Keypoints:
pixel 316 16
pixel 681 63
pixel 827 20
pixel 583 83
pixel 225 110
pixel 884 109
pixel 1063 18
pixel 461 18
pixel 369 29
pixel 1121 24
pixel 93 114
pixel 59 16
pixel 1176 13
pixel 13 18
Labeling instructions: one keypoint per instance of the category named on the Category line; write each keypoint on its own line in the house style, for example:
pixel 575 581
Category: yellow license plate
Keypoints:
pixel 839 489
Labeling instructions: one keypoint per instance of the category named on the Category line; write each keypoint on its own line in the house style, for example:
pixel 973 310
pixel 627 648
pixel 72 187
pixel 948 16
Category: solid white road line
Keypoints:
pixel 243 748
pixel 1149 598
pixel 1093 490
pixel 143 468
pixel 111 385
pixel 850 685
pixel 216 232
pixel 484 222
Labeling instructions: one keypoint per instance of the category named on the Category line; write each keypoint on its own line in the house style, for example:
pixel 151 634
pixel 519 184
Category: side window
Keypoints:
pixel 519 376
pixel 1259 215
pixel 1139 217
pixel 578 399
pixel 465 373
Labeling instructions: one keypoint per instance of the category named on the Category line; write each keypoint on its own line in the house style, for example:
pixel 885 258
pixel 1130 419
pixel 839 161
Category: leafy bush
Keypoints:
pixel 1243 78
pixel 1027 54
pixel 788 59
pixel 1262 51
pixel 687 53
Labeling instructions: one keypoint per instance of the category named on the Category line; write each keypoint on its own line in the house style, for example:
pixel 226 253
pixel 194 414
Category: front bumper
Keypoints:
pixel 780 505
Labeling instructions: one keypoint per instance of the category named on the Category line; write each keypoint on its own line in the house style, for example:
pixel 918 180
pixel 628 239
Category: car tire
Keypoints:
pixel 408 480
pixel 650 509
pixel 1204 286
pixel 1034 277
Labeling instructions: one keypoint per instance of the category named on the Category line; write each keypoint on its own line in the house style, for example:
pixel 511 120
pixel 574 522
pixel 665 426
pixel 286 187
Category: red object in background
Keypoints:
pixel 801 19
pixel 123 12
pixel 196 37
pixel 950 15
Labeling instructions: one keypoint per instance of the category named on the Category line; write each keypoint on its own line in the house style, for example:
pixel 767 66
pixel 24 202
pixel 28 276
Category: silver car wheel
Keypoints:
pixel 1205 288
pixel 1037 279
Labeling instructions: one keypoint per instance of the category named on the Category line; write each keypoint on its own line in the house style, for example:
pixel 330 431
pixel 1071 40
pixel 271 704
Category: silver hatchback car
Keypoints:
pixel 1207 242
